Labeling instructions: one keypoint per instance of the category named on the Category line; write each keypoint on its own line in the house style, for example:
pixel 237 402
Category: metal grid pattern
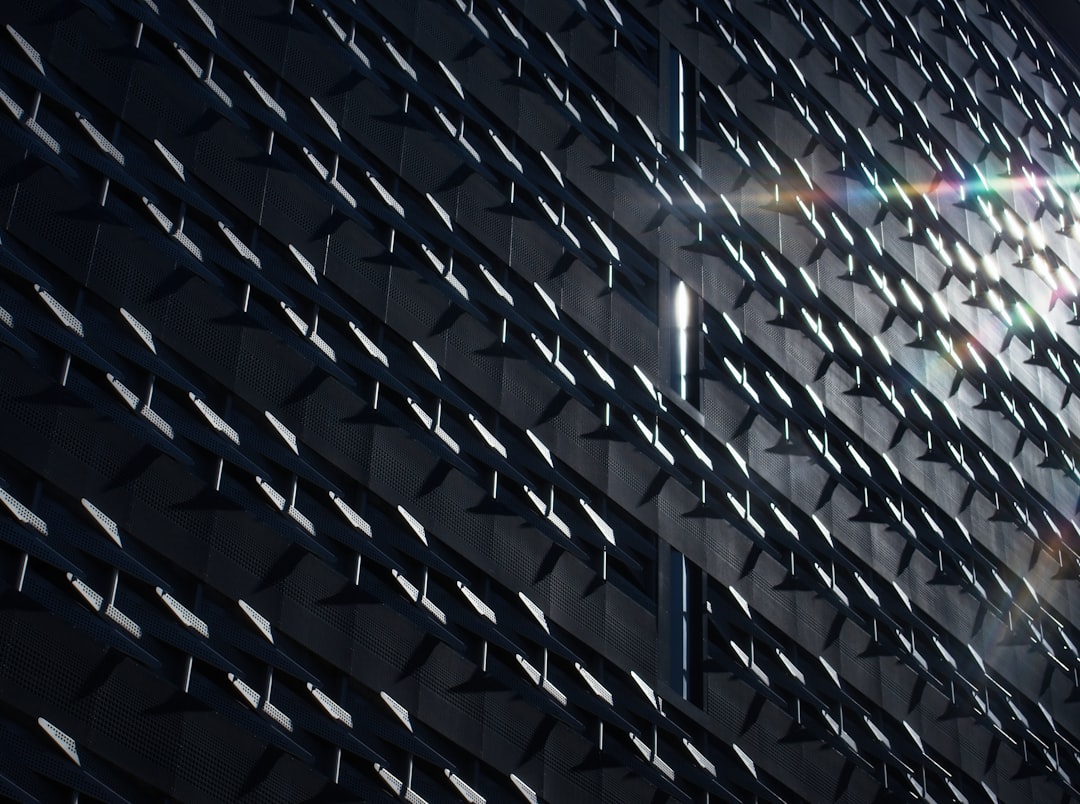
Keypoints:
pixel 343 446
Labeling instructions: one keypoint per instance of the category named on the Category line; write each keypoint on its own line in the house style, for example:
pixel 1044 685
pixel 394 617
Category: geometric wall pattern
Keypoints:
pixel 538 400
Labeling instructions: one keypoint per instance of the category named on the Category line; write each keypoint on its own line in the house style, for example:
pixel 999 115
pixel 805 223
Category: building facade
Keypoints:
pixel 560 400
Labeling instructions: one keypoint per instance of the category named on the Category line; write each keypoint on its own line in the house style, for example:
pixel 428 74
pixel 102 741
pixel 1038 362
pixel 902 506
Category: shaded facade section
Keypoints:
pixel 546 402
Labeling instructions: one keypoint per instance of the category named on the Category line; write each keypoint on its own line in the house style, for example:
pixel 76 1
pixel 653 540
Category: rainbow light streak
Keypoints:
pixel 944 188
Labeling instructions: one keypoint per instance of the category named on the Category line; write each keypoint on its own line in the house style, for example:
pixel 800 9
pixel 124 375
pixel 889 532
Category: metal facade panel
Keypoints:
pixel 344 445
